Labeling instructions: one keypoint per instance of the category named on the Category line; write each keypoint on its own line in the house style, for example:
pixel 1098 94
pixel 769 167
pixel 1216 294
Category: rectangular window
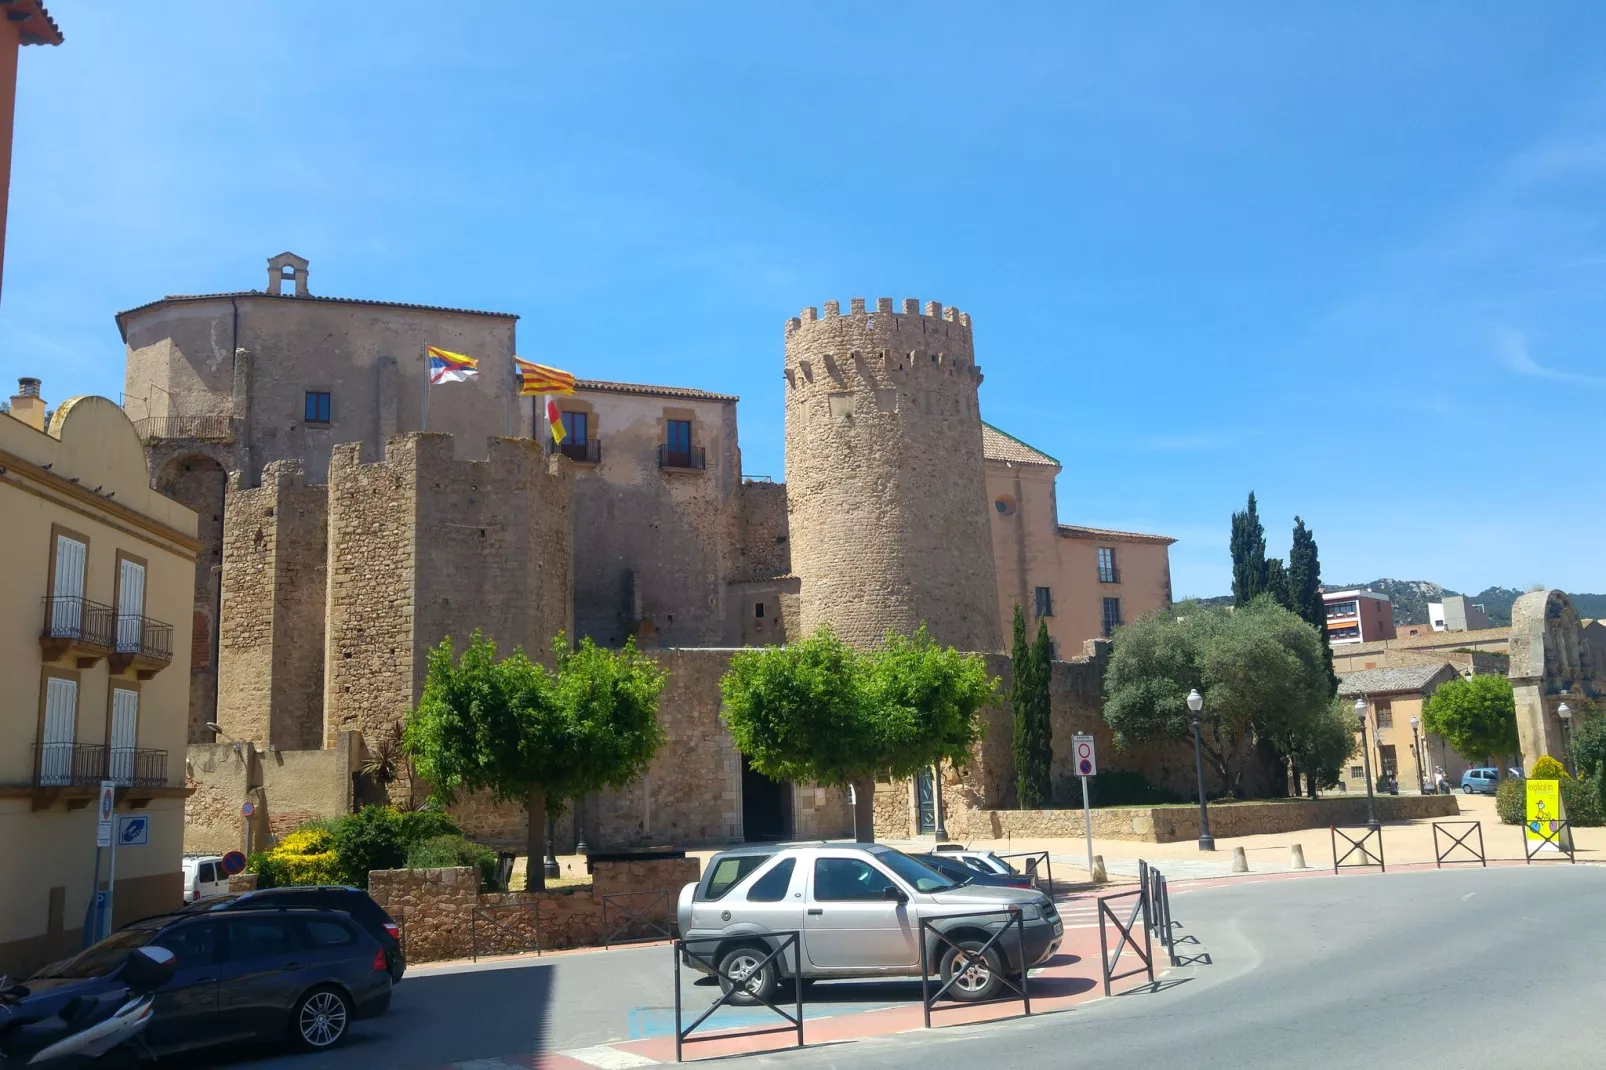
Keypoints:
pixel 67 588
pixel 318 407
pixel 574 428
pixel 60 731
pixel 1385 713
pixel 1112 615
pixel 1107 570
pixel 771 887
pixel 124 734
pixel 758 610
pixel 848 879
pixel 1045 602
pixel 130 605
pixel 1357 771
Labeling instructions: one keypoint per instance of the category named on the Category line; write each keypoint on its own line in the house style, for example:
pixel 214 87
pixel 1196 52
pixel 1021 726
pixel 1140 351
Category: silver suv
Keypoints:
pixel 859 908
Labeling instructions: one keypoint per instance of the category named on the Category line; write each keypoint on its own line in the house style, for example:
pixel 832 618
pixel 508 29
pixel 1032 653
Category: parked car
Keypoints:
pixel 986 861
pixel 1480 781
pixel 297 975
pixel 960 873
pixel 858 909
pixel 204 877
pixel 352 901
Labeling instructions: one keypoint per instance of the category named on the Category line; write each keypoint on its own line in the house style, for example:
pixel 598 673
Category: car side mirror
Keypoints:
pixel 894 895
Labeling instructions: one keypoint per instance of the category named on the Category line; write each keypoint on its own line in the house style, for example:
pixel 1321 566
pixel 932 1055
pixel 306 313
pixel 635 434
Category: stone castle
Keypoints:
pixel 349 523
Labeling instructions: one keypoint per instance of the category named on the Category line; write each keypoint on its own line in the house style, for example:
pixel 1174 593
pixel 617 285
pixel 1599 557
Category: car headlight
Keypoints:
pixel 1031 912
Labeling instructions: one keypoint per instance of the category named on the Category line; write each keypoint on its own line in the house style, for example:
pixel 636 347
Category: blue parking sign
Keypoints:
pixel 133 830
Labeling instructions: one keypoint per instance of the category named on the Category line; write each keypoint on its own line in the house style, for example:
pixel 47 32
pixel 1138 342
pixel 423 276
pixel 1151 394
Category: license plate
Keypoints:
pixel 1059 928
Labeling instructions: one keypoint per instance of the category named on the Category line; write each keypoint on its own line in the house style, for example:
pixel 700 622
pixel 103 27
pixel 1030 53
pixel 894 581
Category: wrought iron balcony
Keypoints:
pixel 85 765
pixel 1109 575
pixel 141 643
pixel 75 625
pixel 210 427
pixel 587 452
pixel 692 457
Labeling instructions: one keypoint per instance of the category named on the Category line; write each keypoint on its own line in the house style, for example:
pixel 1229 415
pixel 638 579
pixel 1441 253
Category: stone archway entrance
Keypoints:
pixel 198 481
pixel 766 806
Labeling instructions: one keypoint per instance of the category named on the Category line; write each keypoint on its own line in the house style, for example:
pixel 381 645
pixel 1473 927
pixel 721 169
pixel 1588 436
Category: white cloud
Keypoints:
pixel 1515 355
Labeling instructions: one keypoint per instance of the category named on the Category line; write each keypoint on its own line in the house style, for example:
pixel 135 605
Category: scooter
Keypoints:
pixel 86 1027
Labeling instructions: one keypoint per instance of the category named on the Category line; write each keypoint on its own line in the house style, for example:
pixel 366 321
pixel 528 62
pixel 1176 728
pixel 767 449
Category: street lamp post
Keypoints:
pixel 1416 748
pixel 1565 712
pixel 1207 842
pixel 938 830
pixel 1366 756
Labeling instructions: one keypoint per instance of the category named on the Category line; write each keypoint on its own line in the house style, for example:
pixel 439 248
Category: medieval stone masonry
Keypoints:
pixel 347 539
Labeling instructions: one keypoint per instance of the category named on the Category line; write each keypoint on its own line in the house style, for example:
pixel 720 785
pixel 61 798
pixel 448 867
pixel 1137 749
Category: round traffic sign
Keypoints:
pixel 1085 767
pixel 233 862
pixel 247 808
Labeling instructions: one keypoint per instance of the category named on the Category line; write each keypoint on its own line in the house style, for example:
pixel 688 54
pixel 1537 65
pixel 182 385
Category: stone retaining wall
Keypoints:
pixel 1170 824
pixel 444 915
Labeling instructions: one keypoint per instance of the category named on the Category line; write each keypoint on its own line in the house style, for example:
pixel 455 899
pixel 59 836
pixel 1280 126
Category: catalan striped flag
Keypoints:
pixel 554 421
pixel 539 379
pixel 447 367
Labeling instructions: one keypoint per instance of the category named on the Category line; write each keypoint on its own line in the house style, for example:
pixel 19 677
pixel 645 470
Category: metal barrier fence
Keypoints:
pixel 1554 837
pixel 1442 832
pixel 636 916
pixel 1158 891
pixel 786 938
pixel 515 929
pixel 1130 932
pixel 965 959
pixel 1036 861
pixel 1368 859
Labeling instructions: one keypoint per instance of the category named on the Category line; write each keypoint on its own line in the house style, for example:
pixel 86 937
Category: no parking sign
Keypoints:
pixel 1087 763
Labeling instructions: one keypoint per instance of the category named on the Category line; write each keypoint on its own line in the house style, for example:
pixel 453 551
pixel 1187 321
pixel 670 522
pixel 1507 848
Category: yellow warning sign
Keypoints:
pixel 1544 815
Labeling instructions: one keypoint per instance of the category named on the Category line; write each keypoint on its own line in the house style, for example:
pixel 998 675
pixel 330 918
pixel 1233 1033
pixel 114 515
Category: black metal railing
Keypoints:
pixel 635 917
pixel 955 960
pixel 1557 834
pixel 144 636
pixel 77 618
pixel 1362 846
pixel 589 451
pixel 508 929
pixel 1446 842
pixel 691 457
pixel 1038 867
pixel 1131 931
pixel 68 765
pixel 211 427
pixel 781 939
pixel 1159 895
pixel 136 767
pixel 1109 575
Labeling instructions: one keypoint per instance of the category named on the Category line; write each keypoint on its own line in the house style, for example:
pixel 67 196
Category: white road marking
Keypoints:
pixel 609 1058
pixel 485 1064
pixel 1469 895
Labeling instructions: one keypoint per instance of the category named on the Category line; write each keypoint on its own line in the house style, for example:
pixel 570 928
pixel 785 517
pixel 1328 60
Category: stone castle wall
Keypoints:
pixel 885 480
pixel 272 635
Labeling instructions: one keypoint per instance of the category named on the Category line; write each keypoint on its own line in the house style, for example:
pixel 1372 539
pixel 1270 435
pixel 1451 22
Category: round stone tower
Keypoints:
pixel 884 479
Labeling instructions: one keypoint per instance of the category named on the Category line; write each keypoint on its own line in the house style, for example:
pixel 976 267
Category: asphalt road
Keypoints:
pixel 1437 969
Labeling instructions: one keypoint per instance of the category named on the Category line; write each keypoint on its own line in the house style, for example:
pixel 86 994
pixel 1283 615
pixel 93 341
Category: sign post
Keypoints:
pixel 247 808
pixel 1087 764
pixel 106 821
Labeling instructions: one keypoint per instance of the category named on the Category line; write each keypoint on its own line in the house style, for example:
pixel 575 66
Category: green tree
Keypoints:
pixel 517 731
pixel 1042 714
pixel 1277 582
pixel 1324 745
pixel 1029 703
pixel 819 711
pixel 1305 591
pixel 1588 744
pixel 1249 570
pixel 1477 717
pixel 1259 669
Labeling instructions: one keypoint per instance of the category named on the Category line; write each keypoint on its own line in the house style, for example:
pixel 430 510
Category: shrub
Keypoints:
pixel 1580 801
pixel 305 856
pixel 1114 787
pixel 454 850
pixel 1548 768
pixel 367 840
pixel 1511 800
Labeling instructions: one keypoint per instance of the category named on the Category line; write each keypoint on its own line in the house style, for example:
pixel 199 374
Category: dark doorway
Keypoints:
pixel 766 806
pixel 927 798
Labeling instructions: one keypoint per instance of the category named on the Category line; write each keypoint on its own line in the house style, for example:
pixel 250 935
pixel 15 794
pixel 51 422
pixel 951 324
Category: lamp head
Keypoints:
pixel 1565 712
pixel 1195 700
pixel 1360 710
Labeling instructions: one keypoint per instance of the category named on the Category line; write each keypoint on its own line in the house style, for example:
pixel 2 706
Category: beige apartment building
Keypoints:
pixel 94 650
pixel 1394 732
pixel 1085 582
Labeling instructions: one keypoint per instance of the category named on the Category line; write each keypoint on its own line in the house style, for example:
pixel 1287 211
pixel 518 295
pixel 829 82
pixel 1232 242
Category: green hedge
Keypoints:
pixel 443 852
pixel 1580 799
pixel 1115 787
pixel 344 850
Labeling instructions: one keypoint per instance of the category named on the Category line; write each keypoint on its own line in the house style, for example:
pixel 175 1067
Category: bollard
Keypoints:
pixel 1240 863
pixel 1098 875
pixel 1296 857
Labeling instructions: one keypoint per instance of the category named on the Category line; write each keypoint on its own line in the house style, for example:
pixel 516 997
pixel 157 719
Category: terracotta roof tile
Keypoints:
pixel 1075 531
pixel 310 297
pixel 37 27
pixel 999 445
pixel 1403 678
pixel 606 387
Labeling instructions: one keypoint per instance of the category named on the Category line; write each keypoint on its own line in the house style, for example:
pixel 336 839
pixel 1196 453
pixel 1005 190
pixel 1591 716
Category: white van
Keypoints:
pixel 204 876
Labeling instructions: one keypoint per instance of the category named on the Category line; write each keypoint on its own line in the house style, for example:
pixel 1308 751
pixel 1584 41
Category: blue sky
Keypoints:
pixel 1350 256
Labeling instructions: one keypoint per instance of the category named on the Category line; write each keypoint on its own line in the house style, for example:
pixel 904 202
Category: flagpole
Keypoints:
pixel 507 388
pixel 423 424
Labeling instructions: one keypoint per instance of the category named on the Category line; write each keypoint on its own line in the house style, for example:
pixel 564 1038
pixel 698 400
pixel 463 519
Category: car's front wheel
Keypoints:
pixel 320 1019
pixel 744 973
pixel 980 980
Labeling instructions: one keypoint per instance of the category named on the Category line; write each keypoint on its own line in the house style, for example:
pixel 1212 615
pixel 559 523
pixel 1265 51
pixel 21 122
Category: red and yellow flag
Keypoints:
pixel 537 379
pixel 554 420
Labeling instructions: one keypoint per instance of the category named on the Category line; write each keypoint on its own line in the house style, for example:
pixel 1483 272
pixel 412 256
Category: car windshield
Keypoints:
pixel 98 960
pixel 960 875
pixel 920 877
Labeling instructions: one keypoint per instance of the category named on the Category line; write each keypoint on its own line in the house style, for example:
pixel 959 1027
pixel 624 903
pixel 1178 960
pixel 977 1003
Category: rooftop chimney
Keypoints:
pixel 27 405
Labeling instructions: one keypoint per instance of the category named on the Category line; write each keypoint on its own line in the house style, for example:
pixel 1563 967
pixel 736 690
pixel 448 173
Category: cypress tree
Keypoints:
pixel 1277 582
pixel 1249 570
pixel 1305 590
pixel 1041 745
pixel 1022 668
